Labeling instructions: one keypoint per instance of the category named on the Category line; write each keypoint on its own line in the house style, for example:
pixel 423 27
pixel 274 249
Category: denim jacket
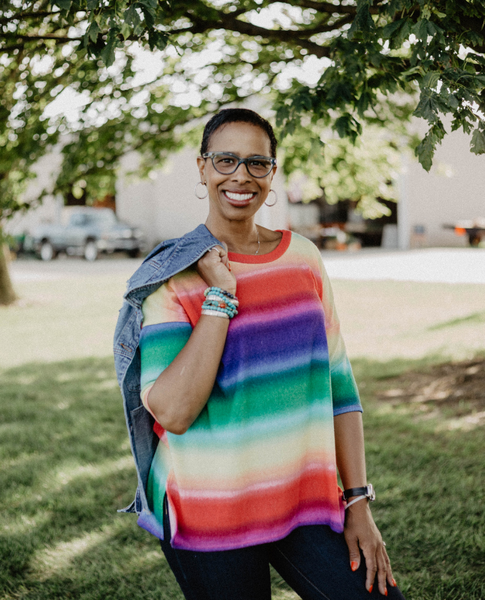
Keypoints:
pixel 163 262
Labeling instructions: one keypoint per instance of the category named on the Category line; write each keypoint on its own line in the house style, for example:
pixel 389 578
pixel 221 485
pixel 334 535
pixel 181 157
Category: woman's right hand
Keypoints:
pixel 215 269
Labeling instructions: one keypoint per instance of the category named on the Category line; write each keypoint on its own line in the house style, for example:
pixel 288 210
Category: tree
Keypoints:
pixel 369 54
pixel 368 48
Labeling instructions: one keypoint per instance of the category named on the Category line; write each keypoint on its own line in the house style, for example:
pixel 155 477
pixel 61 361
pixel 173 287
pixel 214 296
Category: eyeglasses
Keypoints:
pixel 227 163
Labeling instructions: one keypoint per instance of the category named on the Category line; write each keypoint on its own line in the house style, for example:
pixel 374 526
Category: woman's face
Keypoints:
pixel 237 196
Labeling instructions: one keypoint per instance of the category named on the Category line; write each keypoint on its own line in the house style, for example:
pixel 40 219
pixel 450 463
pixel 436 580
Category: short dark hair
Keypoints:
pixel 237 115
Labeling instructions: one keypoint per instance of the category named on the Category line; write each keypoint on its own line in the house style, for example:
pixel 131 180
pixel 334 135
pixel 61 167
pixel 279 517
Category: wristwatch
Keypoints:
pixel 367 491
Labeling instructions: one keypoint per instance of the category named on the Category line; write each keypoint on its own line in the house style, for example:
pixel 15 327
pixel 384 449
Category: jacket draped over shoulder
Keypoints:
pixel 165 261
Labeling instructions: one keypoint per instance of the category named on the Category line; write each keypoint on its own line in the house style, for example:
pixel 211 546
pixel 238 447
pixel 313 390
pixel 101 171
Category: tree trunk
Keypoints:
pixel 7 294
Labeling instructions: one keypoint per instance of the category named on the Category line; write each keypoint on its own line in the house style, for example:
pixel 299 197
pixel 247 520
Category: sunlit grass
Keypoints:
pixel 66 466
pixel 65 470
pixel 385 320
pixel 74 317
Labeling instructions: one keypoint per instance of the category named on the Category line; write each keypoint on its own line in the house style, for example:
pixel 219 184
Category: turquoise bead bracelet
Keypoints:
pixel 219 303
pixel 218 300
pixel 220 307
pixel 215 290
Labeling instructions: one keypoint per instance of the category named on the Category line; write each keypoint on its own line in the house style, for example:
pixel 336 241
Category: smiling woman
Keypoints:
pixel 237 164
pixel 242 404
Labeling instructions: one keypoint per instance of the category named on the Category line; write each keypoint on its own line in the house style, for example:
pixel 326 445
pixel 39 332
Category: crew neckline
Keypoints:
pixel 264 258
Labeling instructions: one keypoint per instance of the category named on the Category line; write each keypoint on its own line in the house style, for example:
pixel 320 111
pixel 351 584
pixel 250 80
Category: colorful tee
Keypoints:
pixel 259 460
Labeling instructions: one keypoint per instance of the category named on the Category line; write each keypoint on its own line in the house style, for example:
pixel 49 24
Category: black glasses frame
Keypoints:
pixel 244 161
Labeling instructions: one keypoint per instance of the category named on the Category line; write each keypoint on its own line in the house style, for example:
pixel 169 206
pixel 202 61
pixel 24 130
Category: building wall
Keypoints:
pixel 165 206
pixel 453 190
pixel 50 209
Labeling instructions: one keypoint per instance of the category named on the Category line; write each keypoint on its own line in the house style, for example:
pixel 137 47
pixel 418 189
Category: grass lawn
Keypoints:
pixel 66 465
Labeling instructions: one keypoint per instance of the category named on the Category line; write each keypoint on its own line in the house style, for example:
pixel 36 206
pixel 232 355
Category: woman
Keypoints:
pixel 245 374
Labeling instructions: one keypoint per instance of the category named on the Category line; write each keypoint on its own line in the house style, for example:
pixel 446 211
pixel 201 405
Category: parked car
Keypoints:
pixel 85 231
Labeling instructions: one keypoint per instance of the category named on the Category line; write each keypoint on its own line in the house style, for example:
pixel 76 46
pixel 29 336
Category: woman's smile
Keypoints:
pixel 239 198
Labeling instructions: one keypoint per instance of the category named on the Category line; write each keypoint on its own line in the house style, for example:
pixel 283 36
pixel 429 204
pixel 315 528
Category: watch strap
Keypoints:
pixel 367 491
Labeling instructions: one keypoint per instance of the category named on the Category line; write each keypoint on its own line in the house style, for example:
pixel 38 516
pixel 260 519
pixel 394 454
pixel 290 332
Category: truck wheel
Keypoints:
pixel 47 251
pixel 90 251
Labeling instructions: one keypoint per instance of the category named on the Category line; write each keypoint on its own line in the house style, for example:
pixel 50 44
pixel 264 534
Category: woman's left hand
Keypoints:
pixel 361 533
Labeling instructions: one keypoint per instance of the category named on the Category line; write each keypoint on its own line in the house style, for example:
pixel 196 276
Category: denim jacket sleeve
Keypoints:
pixel 163 262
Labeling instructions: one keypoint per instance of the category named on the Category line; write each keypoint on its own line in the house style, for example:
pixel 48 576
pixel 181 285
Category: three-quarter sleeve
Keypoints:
pixel 166 330
pixel 345 395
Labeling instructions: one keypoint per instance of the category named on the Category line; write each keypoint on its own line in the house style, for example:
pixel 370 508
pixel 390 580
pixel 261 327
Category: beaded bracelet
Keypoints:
pixel 215 290
pixel 219 297
pixel 222 302
pixel 219 303
pixel 221 307
pixel 214 313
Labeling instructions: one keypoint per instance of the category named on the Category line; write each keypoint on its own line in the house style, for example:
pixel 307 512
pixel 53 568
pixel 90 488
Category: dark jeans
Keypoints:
pixel 313 560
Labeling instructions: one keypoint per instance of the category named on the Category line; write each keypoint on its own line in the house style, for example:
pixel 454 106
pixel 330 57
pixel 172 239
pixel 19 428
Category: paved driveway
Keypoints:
pixel 449 265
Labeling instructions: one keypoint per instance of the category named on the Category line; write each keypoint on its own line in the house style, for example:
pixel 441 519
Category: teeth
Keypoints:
pixel 237 196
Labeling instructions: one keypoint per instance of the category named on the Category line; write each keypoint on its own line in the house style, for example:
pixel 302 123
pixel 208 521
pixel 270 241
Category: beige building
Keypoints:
pixel 165 205
pixel 452 191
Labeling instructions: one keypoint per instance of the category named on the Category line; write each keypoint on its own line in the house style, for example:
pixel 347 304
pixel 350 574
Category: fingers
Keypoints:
pixel 382 570
pixel 215 270
pixel 377 562
pixel 361 533
pixel 390 579
pixel 222 253
pixel 354 553
pixel 371 570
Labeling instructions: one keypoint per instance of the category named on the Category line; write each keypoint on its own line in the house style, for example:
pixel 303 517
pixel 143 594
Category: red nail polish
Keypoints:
pixel 385 593
pixel 354 565
pixel 370 589
pixel 394 582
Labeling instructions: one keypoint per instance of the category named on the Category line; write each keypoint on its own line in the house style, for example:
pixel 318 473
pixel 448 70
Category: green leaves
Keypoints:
pixel 63 4
pixel 363 22
pixel 426 149
pixel 158 40
pixel 348 126
pixel 368 54
pixel 132 17
pixel 428 107
pixel 112 42
pixel 430 80
pixel 478 140
pixel 92 32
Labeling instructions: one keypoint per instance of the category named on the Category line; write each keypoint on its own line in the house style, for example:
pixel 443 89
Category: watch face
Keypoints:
pixel 370 493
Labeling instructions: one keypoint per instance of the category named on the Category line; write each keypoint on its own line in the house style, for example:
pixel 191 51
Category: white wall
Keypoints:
pixel 47 212
pixel 453 190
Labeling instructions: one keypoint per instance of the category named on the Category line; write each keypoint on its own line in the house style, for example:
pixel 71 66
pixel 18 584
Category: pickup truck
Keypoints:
pixel 85 231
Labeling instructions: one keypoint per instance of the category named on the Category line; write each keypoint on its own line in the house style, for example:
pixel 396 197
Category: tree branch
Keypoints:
pixel 328 7
pixel 22 45
pixel 282 35
pixel 326 28
pixel 20 16
pixel 26 38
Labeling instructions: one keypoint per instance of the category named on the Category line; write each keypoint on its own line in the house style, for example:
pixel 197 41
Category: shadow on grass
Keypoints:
pixel 468 320
pixel 66 467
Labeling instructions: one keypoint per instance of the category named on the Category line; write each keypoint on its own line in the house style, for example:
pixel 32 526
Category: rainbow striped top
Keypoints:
pixel 259 460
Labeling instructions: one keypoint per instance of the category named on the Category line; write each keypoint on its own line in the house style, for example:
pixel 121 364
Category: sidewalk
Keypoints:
pixel 445 265
pixel 448 265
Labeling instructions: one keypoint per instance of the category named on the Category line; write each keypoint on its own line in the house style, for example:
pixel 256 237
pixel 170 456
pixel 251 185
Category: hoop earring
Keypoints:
pixel 275 198
pixel 206 191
